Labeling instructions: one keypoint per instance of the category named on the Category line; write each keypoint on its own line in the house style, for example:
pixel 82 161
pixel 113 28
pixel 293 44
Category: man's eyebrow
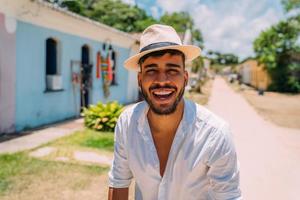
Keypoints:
pixel 173 65
pixel 150 66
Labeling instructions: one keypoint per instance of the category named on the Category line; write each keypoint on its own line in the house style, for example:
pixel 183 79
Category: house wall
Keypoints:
pixel 34 106
pixel 24 101
pixel 260 79
pixel 255 75
pixel 247 72
pixel 46 15
pixel 7 73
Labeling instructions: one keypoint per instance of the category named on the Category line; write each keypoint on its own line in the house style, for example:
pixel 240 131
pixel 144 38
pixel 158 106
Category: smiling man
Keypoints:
pixel 174 149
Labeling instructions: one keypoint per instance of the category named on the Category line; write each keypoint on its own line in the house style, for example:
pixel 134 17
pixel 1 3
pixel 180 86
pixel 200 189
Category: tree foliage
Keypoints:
pixel 114 13
pixel 222 59
pixel 76 6
pixel 275 48
pixel 291 4
pixel 181 21
pixel 122 16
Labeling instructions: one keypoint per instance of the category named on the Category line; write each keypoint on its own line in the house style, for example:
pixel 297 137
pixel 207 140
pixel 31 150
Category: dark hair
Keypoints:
pixel 161 53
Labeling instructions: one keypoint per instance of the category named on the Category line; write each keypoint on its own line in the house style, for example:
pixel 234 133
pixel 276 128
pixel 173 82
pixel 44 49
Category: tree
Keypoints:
pixel 223 59
pixel 75 6
pixel 275 48
pixel 114 13
pixel 291 4
pixel 181 21
pixel 140 25
pixel 117 14
pixel 198 38
pixel 129 18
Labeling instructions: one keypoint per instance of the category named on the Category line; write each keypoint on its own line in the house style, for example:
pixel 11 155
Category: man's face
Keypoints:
pixel 162 81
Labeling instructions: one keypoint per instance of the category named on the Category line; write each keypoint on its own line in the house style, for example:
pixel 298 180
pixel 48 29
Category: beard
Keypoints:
pixel 167 109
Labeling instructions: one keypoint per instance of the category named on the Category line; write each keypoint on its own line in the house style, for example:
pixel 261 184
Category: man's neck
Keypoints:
pixel 166 123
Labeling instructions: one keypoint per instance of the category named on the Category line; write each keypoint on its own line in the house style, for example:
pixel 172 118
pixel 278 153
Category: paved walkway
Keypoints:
pixel 269 155
pixel 40 137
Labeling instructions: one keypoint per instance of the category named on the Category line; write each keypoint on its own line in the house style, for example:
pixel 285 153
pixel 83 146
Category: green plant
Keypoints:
pixel 102 117
pixel 275 47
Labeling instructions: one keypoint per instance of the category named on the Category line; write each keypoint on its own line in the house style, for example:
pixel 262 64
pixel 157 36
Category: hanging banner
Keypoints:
pixel 98 65
pixel 109 69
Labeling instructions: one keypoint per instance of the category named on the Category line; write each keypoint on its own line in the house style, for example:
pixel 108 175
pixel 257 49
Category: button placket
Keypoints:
pixel 151 145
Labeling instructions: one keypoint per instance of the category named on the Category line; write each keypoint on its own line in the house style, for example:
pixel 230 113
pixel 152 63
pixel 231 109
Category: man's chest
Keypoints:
pixel 179 156
pixel 163 143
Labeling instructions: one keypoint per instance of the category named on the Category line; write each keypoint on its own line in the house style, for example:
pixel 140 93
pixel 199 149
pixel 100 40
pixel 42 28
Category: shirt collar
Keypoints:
pixel 189 116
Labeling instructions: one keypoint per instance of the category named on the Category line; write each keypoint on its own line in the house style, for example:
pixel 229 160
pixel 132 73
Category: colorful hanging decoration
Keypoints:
pixel 105 69
pixel 109 68
pixel 105 77
pixel 98 65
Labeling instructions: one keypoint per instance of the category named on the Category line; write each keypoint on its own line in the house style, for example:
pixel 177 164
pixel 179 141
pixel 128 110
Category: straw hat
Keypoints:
pixel 159 37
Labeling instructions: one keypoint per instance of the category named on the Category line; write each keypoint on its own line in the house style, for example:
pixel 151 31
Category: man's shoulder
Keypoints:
pixel 133 111
pixel 209 118
pixel 215 127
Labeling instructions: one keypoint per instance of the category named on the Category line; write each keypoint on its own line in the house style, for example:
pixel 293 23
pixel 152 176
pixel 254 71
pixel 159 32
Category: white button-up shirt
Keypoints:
pixel 202 162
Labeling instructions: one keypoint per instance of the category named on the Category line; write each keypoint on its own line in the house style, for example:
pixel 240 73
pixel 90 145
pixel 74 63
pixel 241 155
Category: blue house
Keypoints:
pixel 54 62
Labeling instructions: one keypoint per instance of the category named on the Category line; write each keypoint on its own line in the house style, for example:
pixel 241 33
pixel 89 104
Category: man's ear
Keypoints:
pixel 186 77
pixel 139 78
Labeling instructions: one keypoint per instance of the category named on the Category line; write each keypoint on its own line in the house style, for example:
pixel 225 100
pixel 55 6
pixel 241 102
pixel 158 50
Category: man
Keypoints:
pixel 172 147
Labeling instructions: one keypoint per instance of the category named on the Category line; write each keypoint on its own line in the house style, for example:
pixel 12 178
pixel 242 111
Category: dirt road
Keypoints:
pixel 269 155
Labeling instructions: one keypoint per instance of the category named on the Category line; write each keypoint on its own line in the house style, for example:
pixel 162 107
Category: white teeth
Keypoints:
pixel 162 92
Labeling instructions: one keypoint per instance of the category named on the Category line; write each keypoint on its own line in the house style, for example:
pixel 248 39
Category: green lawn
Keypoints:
pixel 24 177
pixel 88 138
pixel 18 171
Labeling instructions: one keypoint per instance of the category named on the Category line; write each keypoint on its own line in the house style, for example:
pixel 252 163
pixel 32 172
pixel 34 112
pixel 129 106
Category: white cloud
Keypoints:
pixel 175 5
pixel 155 12
pixel 227 26
pixel 130 2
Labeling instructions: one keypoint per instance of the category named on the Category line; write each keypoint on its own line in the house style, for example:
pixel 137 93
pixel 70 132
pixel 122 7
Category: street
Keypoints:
pixel 269 155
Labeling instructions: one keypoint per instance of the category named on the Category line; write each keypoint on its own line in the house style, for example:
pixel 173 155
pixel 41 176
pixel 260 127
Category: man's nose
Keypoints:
pixel 162 77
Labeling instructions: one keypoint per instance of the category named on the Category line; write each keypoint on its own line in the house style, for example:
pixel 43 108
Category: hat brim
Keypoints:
pixel 190 51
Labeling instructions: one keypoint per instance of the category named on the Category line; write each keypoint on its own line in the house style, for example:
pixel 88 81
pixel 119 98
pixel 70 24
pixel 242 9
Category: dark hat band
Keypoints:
pixel 157 45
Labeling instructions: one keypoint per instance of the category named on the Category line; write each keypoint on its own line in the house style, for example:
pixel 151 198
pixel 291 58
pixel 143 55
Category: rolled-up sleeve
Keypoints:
pixel 120 175
pixel 223 167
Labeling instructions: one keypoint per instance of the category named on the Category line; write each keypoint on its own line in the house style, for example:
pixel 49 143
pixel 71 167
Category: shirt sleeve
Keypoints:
pixel 120 175
pixel 223 170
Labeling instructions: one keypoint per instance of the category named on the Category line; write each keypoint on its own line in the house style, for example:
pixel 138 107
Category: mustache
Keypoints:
pixel 158 86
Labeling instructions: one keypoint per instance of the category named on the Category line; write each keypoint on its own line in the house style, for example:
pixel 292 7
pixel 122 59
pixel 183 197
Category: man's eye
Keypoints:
pixel 150 71
pixel 173 71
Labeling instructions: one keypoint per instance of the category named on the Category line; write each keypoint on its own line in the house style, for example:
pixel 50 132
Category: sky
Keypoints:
pixel 228 26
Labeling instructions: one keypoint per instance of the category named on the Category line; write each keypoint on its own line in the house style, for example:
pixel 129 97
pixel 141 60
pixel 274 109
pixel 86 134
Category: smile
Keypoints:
pixel 163 94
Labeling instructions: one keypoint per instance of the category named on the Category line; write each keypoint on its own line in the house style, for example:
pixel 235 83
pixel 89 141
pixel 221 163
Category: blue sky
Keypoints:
pixel 228 26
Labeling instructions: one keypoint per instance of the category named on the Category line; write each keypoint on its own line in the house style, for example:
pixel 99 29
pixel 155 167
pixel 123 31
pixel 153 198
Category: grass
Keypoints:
pixel 24 177
pixel 87 138
pixel 19 173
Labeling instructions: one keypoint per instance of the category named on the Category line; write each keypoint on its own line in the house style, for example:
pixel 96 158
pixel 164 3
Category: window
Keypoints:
pixel 53 77
pixel 51 57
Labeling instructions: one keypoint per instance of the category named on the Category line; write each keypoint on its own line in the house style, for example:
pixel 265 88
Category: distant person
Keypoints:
pixel 174 149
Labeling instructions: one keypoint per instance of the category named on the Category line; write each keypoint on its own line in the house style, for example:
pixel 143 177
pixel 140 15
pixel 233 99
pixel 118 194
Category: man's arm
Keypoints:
pixel 119 176
pixel 223 168
pixel 118 193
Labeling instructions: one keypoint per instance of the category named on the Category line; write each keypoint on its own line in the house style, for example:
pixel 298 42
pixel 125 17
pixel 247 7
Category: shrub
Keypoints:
pixel 102 117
